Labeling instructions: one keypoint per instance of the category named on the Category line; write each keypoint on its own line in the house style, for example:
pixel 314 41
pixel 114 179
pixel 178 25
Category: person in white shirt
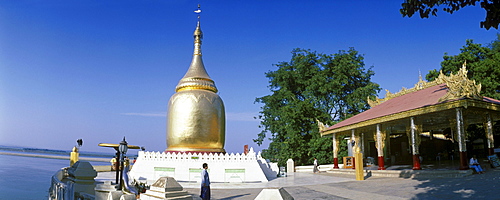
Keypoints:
pixel 315 169
pixel 475 165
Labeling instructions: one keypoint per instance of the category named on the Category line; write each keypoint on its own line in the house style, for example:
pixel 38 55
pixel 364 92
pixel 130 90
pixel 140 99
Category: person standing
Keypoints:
pixel 315 169
pixel 205 183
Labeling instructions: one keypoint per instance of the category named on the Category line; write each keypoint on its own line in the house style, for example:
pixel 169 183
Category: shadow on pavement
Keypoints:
pixel 476 186
pixel 236 196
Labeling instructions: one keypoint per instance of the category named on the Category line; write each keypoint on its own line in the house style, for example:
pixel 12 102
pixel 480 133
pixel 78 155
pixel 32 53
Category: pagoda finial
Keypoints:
pixel 198 34
pixel 196 77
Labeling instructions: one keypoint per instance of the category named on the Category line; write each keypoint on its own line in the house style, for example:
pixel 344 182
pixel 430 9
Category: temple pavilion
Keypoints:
pixel 424 123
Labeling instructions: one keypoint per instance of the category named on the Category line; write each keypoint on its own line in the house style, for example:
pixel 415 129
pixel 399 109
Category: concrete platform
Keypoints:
pixel 398 182
pixel 344 186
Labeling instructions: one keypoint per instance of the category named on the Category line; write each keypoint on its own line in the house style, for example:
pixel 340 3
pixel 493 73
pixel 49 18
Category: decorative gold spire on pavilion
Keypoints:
pixel 196 77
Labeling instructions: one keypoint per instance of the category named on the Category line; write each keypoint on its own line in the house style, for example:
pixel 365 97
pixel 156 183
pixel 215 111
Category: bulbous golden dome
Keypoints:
pixel 196 117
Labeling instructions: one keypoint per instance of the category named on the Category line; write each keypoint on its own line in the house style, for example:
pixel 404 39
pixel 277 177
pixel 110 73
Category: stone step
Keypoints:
pixel 146 196
pixel 309 168
pixel 406 173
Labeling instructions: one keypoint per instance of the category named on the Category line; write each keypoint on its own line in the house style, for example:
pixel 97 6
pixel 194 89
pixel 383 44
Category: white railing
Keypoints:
pixel 59 190
pixel 169 156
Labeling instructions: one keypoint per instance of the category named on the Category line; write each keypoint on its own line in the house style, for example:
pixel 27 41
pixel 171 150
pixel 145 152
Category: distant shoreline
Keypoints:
pixel 54 156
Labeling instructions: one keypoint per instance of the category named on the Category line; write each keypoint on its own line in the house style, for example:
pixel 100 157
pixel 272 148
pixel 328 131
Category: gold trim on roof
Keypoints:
pixel 458 84
pixel 415 112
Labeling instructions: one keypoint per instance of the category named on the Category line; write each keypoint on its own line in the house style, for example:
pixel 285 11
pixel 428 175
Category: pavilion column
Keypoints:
pixel 362 143
pixel 335 152
pixel 415 143
pixel 380 148
pixel 462 148
pixel 489 135
pixel 355 147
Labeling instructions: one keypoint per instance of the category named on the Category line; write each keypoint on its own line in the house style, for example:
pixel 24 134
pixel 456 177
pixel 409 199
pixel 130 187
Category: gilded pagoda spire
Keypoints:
pixel 196 120
pixel 196 77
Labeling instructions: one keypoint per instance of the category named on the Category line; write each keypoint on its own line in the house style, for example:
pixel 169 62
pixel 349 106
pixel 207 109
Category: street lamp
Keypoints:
pixel 123 150
pixel 123 146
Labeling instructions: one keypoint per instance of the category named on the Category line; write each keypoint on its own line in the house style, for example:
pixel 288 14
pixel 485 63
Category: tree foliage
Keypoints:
pixel 311 86
pixel 483 64
pixel 426 7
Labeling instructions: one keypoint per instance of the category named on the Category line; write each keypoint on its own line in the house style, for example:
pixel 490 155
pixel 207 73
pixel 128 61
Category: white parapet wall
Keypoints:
pixel 187 167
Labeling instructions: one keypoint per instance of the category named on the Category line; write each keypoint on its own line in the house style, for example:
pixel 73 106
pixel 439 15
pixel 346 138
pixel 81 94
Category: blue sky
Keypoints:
pixel 101 70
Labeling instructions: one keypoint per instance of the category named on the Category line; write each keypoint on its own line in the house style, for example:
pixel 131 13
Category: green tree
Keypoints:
pixel 311 86
pixel 426 7
pixel 483 64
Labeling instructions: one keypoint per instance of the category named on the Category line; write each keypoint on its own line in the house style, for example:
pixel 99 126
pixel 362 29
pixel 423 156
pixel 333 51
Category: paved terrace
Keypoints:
pixel 394 183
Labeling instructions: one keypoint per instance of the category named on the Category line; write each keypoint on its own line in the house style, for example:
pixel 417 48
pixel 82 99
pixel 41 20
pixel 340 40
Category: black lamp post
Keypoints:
pixel 117 165
pixel 123 150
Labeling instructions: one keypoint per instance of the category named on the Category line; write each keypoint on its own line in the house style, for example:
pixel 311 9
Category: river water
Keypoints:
pixel 28 177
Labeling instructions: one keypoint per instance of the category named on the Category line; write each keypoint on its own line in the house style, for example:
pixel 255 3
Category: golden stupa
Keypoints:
pixel 196 118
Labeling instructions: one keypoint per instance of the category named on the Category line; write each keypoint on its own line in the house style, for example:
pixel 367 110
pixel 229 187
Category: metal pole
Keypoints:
pixel 117 165
pixel 121 172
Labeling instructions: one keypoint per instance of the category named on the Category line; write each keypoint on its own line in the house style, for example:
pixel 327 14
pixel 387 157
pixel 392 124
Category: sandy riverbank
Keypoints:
pixel 54 156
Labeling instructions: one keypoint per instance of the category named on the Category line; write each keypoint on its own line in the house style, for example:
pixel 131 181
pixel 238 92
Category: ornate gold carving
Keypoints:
pixel 336 143
pixel 418 139
pixel 458 84
pixel 194 96
pixel 380 144
pixel 357 143
pixel 488 129
pixel 421 84
pixel 321 126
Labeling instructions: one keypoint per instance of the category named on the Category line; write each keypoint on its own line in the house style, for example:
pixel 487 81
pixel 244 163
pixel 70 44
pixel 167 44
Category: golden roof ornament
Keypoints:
pixel 196 77
pixel 321 126
pixel 459 86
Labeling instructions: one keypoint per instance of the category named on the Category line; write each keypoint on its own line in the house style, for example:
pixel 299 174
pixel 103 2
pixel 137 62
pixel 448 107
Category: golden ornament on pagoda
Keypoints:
pixel 196 117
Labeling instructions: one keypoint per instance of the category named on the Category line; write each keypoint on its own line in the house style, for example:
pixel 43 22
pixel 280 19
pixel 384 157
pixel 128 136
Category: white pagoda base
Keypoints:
pixel 150 166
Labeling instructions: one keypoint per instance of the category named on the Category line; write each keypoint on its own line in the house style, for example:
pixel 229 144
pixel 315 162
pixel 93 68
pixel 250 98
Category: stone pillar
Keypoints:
pixel 415 142
pixel 290 167
pixel 380 148
pixel 335 152
pixel 82 174
pixel 462 148
pixel 489 135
